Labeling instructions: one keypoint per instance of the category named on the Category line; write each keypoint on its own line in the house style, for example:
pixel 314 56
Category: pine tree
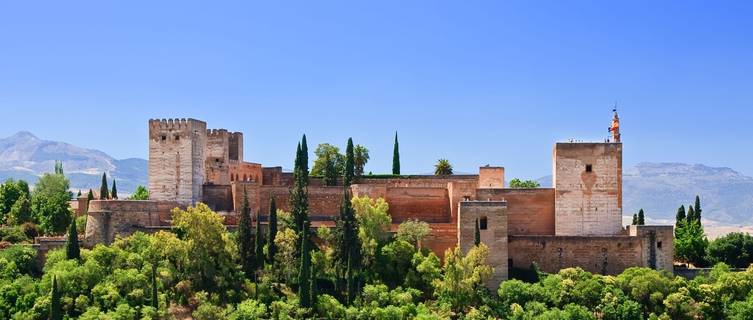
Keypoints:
pixel 72 249
pixel 271 247
pixel 56 308
pixel 635 219
pixel 641 217
pixel 304 273
pixel 698 209
pixel 396 157
pixel 114 192
pixel 245 244
pixel 155 295
pixel 680 217
pixel 477 234
pixel 259 239
pixel 349 164
pixel 104 193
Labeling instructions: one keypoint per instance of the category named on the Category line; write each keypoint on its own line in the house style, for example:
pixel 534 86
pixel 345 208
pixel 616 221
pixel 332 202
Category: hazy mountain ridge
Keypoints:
pixel 24 156
pixel 660 188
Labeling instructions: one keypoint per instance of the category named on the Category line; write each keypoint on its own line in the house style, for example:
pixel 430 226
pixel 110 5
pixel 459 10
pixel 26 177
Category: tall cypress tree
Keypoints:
pixel 155 295
pixel 305 158
pixel 680 217
pixel 304 273
pixel 78 195
pixel 299 194
pixel 691 215
pixel 72 249
pixel 245 242
pixel 90 196
pixel 114 192
pixel 350 285
pixel 348 248
pixel 635 219
pixel 349 164
pixel 698 208
pixel 396 157
pixel 259 251
pixel 56 307
pixel 271 247
pixel 477 234
pixel 104 193
pixel 641 217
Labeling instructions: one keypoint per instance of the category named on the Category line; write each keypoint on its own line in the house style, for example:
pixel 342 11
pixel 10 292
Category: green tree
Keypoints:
pixel 299 203
pixel 462 276
pixel 373 226
pixel 349 173
pixel 141 193
pixel 245 241
pixel 21 211
pixel 691 243
pixel 443 167
pixel 304 273
pixel 360 158
pixel 635 219
pixel 104 193
pixel 691 215
pixel 271 247
pixel 329 163
pixel 348 246
pixel 680 218
pixel 49 203
pixel 477 234
pixel 524 184
pixel 304 157
pixel 413 231
pixel 114 192
pixel 698 209
pixel 396 157
pixel 59 167
pixel 72 250
pixel 734 249
pixel 155 293
pixel 10 192
pixel 56 308
pixel 259 243
pixel 641 217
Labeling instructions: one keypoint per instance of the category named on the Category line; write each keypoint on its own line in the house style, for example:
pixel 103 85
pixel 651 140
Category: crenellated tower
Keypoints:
pixel 176 160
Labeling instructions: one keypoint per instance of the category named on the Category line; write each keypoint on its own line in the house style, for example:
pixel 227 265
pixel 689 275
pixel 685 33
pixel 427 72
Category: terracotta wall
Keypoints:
pixel 529 211
pixel 426 204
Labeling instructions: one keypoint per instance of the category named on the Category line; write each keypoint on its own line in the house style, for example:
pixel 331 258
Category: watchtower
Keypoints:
pixel 176 160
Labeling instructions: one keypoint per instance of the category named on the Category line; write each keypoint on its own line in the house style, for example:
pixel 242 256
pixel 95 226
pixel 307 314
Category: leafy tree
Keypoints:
pixel 360 158
pixel 49 203
pixel 271 247
pixel 141 193
pixel 413 231
pixel 72 250
pixel 477 234
pixel 114 192
pixel 349 173
pixel 10 192
pixel 641 217
pixel 245 241
pixel 690 244
pixel 396 157
pixel 443 167
pixel 304 273
pixel 56 310
pixel 20 212
pixel 104 193
pixel 524 184
pixel 329 163
pixel 735 249
pixel 462 276
pixel 373 224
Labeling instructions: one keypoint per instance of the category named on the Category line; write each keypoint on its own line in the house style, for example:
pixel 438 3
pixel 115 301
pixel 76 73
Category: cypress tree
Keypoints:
pixel 348 248
pixel 635 219
pixel 72 249
pixel 114 192
pixel 259 252
pixel 56 308
pixel 304 273
pixel 691 215
pixel 155 296
pixel 477 234
pixel 245 244
pixel 90 196
pixel 305 158
pixel 698 209
pixel 396 157
pixel 271 247
pixel 298 194
pixel 349 164
pixel 104 193
pixel 350 286
pixel 680 217
pixel 641 217
pixel 78 195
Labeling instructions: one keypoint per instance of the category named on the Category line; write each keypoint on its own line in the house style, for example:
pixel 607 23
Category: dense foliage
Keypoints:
pixel 524 184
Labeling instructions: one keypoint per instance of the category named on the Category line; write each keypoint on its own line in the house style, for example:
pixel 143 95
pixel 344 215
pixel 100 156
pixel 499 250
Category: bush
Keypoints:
pixel 30 229
pixel 81 224
pixel 22 256
pixel 13 234
pixel 734 249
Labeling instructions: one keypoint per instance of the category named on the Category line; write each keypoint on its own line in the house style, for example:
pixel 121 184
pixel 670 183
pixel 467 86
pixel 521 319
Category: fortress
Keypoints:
pixel 577 222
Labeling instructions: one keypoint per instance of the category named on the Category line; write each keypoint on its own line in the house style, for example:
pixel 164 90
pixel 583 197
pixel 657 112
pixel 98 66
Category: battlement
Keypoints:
pixel 174 124
pixel 213 133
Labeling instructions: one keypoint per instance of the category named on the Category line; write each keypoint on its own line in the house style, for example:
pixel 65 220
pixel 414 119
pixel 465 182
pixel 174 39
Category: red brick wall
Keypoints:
pixel 530 211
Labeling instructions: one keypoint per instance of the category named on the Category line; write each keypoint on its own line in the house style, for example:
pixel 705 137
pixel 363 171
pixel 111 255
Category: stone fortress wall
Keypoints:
pixel 576 223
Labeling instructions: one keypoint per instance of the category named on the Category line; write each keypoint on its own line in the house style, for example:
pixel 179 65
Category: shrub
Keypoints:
pixel 13 234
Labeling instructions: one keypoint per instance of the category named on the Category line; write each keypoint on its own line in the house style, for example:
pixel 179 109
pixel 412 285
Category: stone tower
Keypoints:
pixel 588 187
pixel 492 217
pixel 176 160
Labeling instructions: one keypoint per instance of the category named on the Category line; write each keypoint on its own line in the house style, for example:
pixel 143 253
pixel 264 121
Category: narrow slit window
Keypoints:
pixel 482 223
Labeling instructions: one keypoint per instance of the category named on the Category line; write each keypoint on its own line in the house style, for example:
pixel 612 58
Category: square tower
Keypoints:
pixel 217 152
pixel 176 160
pixel 491 177
pixel 588 188
pixel 492 219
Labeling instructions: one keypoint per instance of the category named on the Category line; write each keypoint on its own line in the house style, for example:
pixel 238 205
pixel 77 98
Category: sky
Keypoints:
pixel 475 82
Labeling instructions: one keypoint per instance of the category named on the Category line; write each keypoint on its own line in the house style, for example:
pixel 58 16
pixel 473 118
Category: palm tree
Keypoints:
pixel 443 167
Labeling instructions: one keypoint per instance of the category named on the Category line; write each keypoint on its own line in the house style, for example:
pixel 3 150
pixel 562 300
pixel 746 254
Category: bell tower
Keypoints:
pixel 615 128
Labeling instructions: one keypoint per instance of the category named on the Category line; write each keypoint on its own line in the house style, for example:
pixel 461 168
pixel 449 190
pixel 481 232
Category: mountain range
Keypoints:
pixel 658 188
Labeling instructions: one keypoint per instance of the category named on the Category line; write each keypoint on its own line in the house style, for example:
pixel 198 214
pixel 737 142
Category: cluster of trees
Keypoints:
pixel 639 219
pixel 330 163
pixel 690 239
pixel 524 184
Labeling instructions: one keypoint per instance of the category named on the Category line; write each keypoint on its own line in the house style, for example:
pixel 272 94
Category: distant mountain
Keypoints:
pixel 660 188
pixel 24 156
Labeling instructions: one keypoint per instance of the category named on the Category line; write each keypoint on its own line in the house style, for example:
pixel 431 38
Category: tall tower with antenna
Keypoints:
pixel 615 128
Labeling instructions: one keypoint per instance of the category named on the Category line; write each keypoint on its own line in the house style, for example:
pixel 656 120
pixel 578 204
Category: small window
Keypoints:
pixel 482 223
pixel 589 168
pixel 164 137
pixel 177 137
pixel 658 244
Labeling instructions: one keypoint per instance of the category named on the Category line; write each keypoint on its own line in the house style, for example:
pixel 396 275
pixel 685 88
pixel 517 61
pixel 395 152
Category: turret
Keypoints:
pixel 615 128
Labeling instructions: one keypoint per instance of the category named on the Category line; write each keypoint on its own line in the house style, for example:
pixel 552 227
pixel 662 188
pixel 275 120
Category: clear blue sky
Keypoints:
pixel 477 82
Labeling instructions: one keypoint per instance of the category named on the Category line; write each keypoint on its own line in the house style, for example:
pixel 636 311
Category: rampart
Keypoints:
pixel 110 218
